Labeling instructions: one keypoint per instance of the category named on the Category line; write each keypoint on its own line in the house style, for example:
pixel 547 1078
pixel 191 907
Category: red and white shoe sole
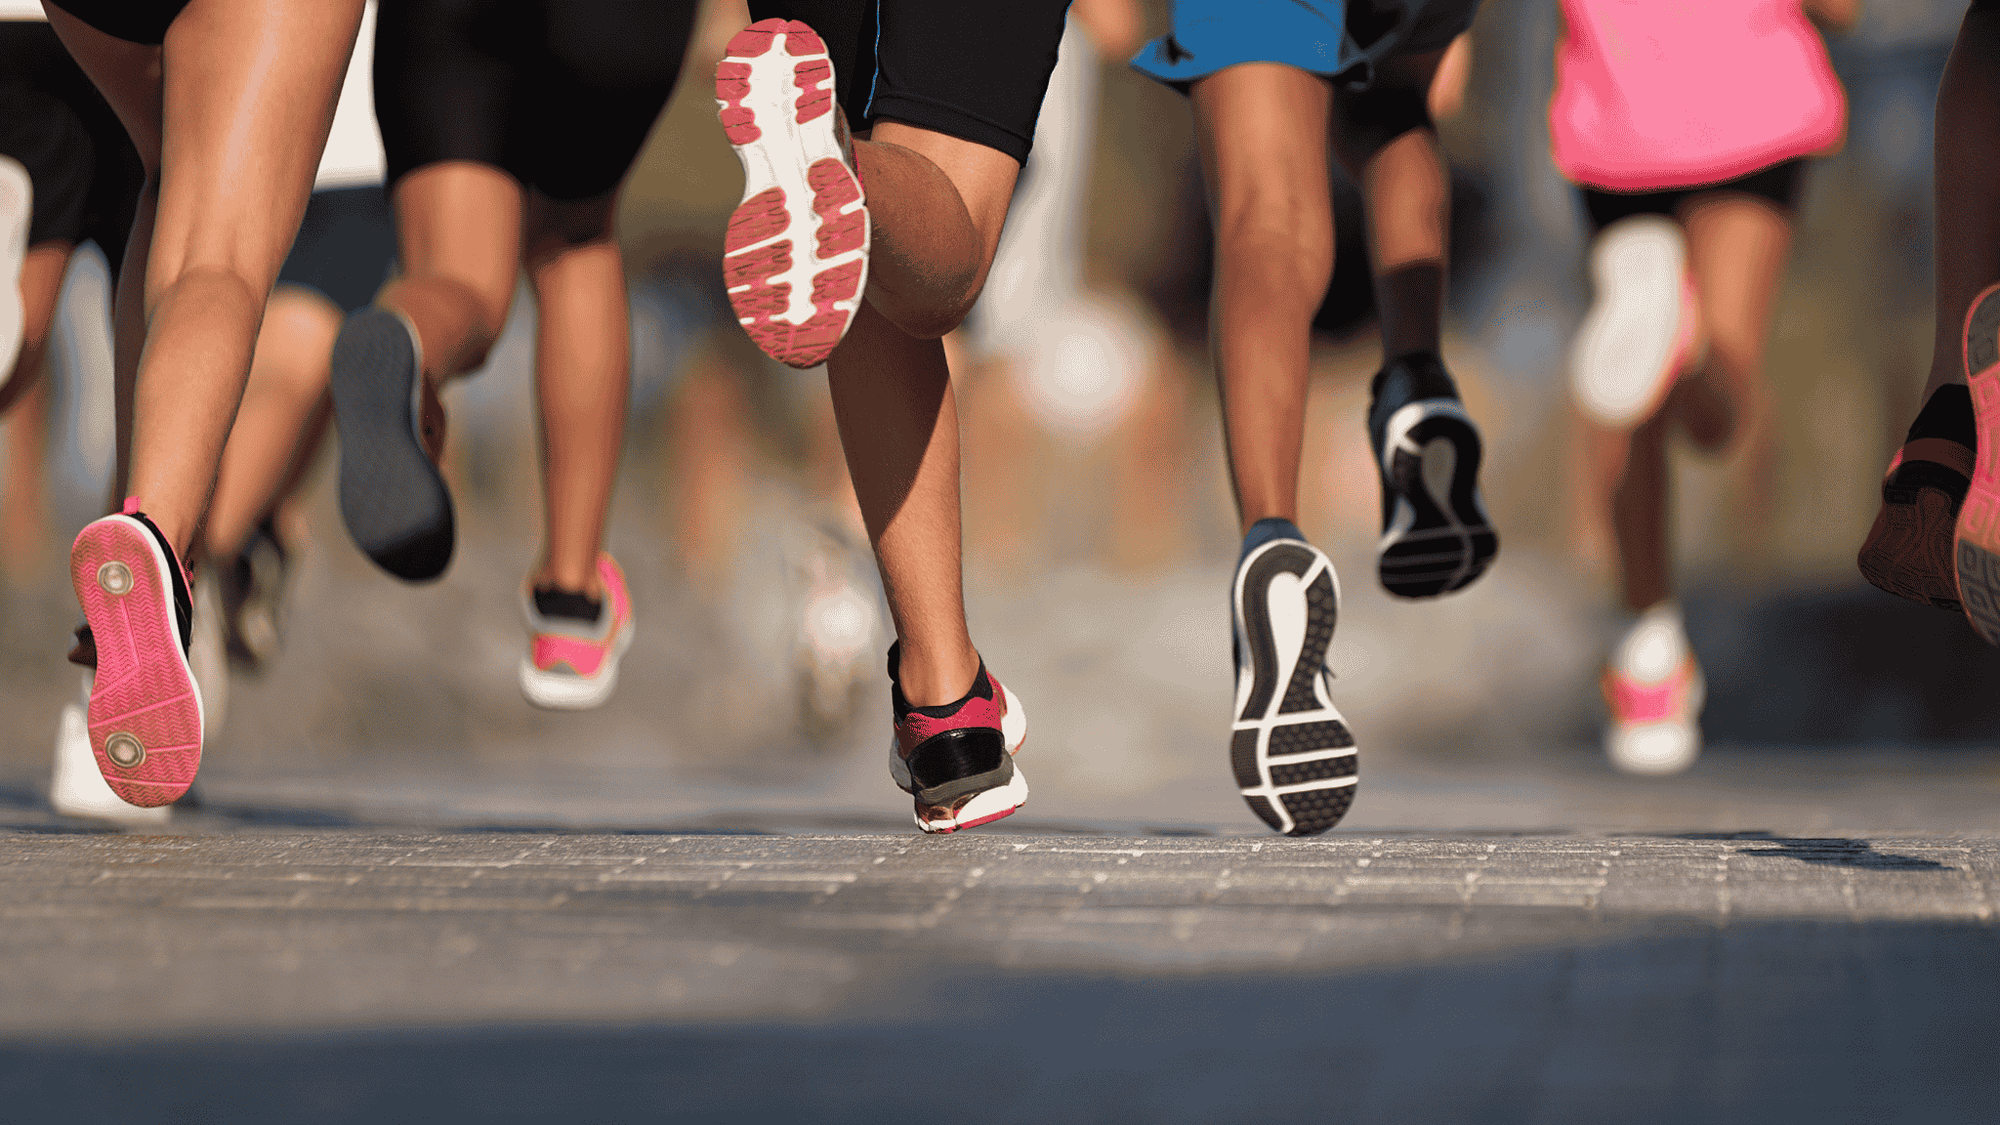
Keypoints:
pixel 796 255
pixel 996 803
pixel 1976 552
pixel 145 715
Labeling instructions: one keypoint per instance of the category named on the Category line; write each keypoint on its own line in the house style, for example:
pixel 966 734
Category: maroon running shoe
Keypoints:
pixel 958 760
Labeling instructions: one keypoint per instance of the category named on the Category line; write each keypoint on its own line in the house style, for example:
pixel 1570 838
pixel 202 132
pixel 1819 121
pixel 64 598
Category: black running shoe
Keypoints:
pixel 1435 534
pixel 392 498
pixel 1292 754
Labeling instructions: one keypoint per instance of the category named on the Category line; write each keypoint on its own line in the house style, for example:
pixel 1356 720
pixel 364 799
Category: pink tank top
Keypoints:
pixel 1654 94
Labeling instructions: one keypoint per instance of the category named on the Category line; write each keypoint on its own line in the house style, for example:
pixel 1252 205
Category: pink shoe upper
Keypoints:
pixel 1634 702
pixel 914 727
pixel 582 649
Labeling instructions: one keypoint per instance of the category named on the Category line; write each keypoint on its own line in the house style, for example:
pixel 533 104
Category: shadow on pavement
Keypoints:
pixel 1838 851
pixel 1766 1022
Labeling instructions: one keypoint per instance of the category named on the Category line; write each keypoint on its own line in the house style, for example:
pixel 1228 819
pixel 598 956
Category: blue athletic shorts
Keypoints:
pixel 1339 40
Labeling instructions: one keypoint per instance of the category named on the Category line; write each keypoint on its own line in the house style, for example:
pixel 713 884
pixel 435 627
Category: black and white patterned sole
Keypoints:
pixel 1291 752
pixel 1438 538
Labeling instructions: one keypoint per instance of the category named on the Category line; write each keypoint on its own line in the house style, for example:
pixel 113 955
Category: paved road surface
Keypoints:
pixel 480 976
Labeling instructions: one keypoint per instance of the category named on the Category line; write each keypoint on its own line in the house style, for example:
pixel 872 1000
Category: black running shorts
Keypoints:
pixel 972 70
pixel 345 246
pixel 85 172
pixel 1778 184
pixel 135 21
pixel 560 94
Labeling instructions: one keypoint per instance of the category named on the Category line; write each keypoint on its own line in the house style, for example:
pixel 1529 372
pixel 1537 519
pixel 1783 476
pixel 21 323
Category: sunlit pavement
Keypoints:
pixel 253 970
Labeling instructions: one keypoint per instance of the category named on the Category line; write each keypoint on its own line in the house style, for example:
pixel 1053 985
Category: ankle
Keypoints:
pixel 586 582
pixel 935 678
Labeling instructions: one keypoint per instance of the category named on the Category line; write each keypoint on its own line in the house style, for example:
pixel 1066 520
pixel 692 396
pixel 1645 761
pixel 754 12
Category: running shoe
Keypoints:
pixel 1435 534
pixel 1908 551
pixel 575 642
pixel 1291 751
pixel 253 599
pixel 145 714
pixel 796 255
pixel 1641 329
pixel 1977 550
pixel 17 210
pixel 958 760
pixel 392 498
pixel 1654 690
pixel 76 788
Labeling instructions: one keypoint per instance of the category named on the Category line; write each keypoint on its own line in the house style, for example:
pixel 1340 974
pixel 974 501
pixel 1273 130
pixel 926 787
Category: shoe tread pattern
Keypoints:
pixel 1449 542
pixel 1328 780
pixel 392 497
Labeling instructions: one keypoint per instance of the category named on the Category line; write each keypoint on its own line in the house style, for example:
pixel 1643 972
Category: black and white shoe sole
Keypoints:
pixel 1438 537
pixel 392 497
pixel 1292 754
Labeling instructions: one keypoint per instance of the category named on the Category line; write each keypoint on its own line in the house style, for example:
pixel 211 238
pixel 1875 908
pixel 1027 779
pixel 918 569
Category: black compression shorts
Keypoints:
pixel 85 172
pixel 560 94
pixel 135 21
pixel 1778 184
pixel 972 70
pixel 345 246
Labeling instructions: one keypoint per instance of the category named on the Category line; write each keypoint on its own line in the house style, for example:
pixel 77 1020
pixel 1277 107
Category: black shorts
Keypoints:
pixel 345 246
pixel 972 70
pixel 135 21
pixel 559 94
pixel 1778 184
pixel 85 172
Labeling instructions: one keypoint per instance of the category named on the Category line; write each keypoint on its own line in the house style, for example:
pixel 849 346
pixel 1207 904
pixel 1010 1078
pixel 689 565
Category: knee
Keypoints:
pixel 1280 236
pixel 924 322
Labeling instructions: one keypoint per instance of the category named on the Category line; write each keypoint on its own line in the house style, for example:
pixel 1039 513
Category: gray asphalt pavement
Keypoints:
pixel 482 976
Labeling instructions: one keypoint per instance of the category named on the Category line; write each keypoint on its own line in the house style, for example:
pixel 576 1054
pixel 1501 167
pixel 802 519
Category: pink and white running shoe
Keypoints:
pixel 796 255
pixel 572 661
pixel 1654 690
pixel 957 760
pixel 145 715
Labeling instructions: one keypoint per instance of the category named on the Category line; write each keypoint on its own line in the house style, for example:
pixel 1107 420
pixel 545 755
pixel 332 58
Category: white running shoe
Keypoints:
pixel 77 788
pixel 1640 331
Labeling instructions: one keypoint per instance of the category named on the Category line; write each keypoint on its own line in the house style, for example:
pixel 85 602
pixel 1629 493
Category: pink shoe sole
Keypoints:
pixel 145 716
pixel 1977 548
pixel 796 253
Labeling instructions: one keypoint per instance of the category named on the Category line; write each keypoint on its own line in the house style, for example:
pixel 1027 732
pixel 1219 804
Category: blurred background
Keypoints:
pixel 1099 530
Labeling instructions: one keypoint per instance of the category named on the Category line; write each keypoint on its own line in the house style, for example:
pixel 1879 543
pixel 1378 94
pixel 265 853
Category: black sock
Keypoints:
pixel 552 602
pixel 1947 415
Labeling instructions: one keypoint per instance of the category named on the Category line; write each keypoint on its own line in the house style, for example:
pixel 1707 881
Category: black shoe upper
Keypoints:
pixel 1404 380
pixel 183 599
